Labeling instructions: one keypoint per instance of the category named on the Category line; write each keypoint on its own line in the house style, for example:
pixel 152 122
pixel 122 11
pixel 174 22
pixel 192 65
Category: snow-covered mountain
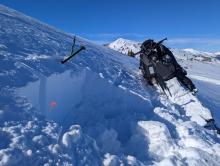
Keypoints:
pixel 196 52
pixel 194 55
pixel 217 53
pixel 96 109
pixel 123 46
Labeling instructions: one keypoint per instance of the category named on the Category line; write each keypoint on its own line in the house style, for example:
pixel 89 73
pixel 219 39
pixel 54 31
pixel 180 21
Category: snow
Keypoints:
pixel 72 136
pixel 36 57
pixel 195 52
pixel 29 152
pixel 217 53
pixel 124 45
pixel 188 102
pixel 205 79
pixel 2 46
pixel 159 139
pixel 105 114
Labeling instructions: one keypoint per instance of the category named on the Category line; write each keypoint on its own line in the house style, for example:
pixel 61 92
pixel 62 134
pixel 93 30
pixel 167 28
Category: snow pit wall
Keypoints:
pixel 104 111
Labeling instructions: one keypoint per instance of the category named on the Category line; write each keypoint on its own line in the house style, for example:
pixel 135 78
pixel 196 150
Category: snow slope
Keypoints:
pixel 94 110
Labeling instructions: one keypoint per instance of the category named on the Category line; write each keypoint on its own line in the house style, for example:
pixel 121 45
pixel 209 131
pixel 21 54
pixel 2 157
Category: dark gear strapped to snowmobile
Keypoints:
pixel 158 65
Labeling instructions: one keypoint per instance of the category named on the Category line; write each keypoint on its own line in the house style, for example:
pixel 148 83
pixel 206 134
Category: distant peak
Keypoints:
pixel 122 40
pixel 190 50
pixel 193 51
pixel 119 39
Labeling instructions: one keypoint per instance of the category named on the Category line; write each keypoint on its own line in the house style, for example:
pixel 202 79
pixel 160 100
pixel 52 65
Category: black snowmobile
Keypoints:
pixel 158 65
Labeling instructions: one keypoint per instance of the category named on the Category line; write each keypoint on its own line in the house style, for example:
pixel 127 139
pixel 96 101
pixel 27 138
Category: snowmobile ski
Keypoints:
pixel 162 84
pixel 72 52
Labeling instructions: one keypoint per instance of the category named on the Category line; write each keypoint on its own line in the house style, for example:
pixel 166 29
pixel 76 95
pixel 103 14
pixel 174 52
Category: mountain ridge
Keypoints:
pixel 125 45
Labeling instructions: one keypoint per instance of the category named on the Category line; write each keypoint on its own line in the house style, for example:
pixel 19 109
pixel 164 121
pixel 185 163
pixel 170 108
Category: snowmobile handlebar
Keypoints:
pixel 161 41
pixel 157 43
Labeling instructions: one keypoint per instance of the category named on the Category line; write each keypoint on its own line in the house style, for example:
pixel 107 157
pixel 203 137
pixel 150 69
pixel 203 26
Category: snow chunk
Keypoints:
pixel 122 87
pixel 131 160
pixel 29 152
pixel 101 75
pixel 55 149
pixel 110 160
pixel 160 141
pixel 3 46
pixel 40 140
pixel 4 159
pixel 72 136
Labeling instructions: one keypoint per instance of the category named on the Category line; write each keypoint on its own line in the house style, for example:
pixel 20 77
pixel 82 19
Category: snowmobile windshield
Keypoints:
pixel 148 44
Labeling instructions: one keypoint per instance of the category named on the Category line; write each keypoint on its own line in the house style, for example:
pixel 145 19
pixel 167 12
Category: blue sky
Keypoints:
pixel 186 23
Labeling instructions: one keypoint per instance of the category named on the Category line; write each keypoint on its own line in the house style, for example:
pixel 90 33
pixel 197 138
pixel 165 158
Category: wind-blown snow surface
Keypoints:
pixel 95 110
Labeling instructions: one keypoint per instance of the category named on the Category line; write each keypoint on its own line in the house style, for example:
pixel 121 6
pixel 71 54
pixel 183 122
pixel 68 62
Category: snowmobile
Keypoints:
pixel 73 53
pixel 158 64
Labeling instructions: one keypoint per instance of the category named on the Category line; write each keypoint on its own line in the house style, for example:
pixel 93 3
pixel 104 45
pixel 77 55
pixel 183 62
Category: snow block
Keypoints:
pixel 159 140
